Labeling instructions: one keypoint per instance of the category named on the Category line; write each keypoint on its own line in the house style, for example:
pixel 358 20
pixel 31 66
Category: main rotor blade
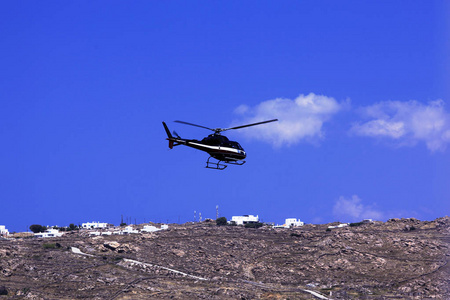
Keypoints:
pixel 253 124
pixel 182 122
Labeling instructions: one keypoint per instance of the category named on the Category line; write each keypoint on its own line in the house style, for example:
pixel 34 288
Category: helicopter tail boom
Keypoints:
pixel 169 136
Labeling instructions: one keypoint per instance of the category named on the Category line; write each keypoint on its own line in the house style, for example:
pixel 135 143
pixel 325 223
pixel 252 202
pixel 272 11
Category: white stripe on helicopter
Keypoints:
pixel 217 147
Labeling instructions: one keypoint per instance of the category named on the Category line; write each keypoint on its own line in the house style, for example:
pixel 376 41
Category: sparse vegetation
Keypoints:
pixel 72 227
pixel 370 262
pixel 253 225
pixel 221 221
pixel 36 228
pixel 3 291
pixel 49 246
pixel 356 224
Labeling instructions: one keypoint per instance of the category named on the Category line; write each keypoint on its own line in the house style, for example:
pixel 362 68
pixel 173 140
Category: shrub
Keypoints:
pixel 221 221
pixel 253 225
pixel 356 224
pixel 72 227
pixel 36 228
pixel 49 246
pixel 3 290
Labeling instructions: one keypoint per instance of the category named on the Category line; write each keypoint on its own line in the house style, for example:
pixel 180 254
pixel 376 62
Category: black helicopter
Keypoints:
pixel 216 145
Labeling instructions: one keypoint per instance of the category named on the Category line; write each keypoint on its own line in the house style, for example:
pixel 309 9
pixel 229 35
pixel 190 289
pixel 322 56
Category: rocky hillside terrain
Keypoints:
pixel 397 259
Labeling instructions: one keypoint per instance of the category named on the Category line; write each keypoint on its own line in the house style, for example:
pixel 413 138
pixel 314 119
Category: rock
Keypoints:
pixel 5 252
pixel 112 245
pixel 431 225
pixel 6 272
pixel 179 253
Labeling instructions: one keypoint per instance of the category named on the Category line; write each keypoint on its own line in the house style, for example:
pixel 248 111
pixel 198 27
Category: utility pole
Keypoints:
pixel 217 212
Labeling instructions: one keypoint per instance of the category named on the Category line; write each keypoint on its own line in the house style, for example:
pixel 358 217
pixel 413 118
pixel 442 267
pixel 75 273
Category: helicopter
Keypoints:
pixel 218 146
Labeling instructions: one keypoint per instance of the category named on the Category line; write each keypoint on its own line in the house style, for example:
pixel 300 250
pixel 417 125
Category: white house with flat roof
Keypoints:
pixel 96 225
pixel 49 233
pixel 3 231
pixel 151 228
pixel 129 230
pixel 291 222
pixel 245 219
pixel 339 226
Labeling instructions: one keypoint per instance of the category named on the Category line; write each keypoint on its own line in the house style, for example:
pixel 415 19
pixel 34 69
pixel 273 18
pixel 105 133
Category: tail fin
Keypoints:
pixel 169 135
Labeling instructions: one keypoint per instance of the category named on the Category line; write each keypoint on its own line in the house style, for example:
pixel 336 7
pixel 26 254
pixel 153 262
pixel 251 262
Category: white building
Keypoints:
pixel 3 231
pixel 49 233
pixel 339 226
pixel 150 228
pixel 96 225
pixel 292 222
pixel 245 219
pixel 129 230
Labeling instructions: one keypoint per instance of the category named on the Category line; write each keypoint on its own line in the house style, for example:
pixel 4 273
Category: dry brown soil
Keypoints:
pixel 397 259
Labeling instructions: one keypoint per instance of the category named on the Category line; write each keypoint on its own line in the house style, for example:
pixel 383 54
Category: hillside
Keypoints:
pixel 400 258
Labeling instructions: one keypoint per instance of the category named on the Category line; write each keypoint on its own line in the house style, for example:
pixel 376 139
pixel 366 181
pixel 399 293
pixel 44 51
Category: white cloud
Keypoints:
pixel 381 127
pixel 408 123
pixel 299 119
pixel 352 209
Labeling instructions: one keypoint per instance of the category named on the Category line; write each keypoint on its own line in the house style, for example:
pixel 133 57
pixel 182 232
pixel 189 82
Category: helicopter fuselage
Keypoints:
pixel 216 145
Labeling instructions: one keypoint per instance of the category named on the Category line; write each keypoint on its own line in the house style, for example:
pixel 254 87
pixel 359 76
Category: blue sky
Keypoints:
pixel 360 89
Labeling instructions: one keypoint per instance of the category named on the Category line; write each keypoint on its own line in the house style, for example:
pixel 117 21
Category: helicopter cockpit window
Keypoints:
pixel 236 145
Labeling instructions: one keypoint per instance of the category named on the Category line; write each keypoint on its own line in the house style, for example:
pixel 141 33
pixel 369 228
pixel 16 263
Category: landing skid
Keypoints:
pixel 237 163
pixel 215 165
pixel 220 166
